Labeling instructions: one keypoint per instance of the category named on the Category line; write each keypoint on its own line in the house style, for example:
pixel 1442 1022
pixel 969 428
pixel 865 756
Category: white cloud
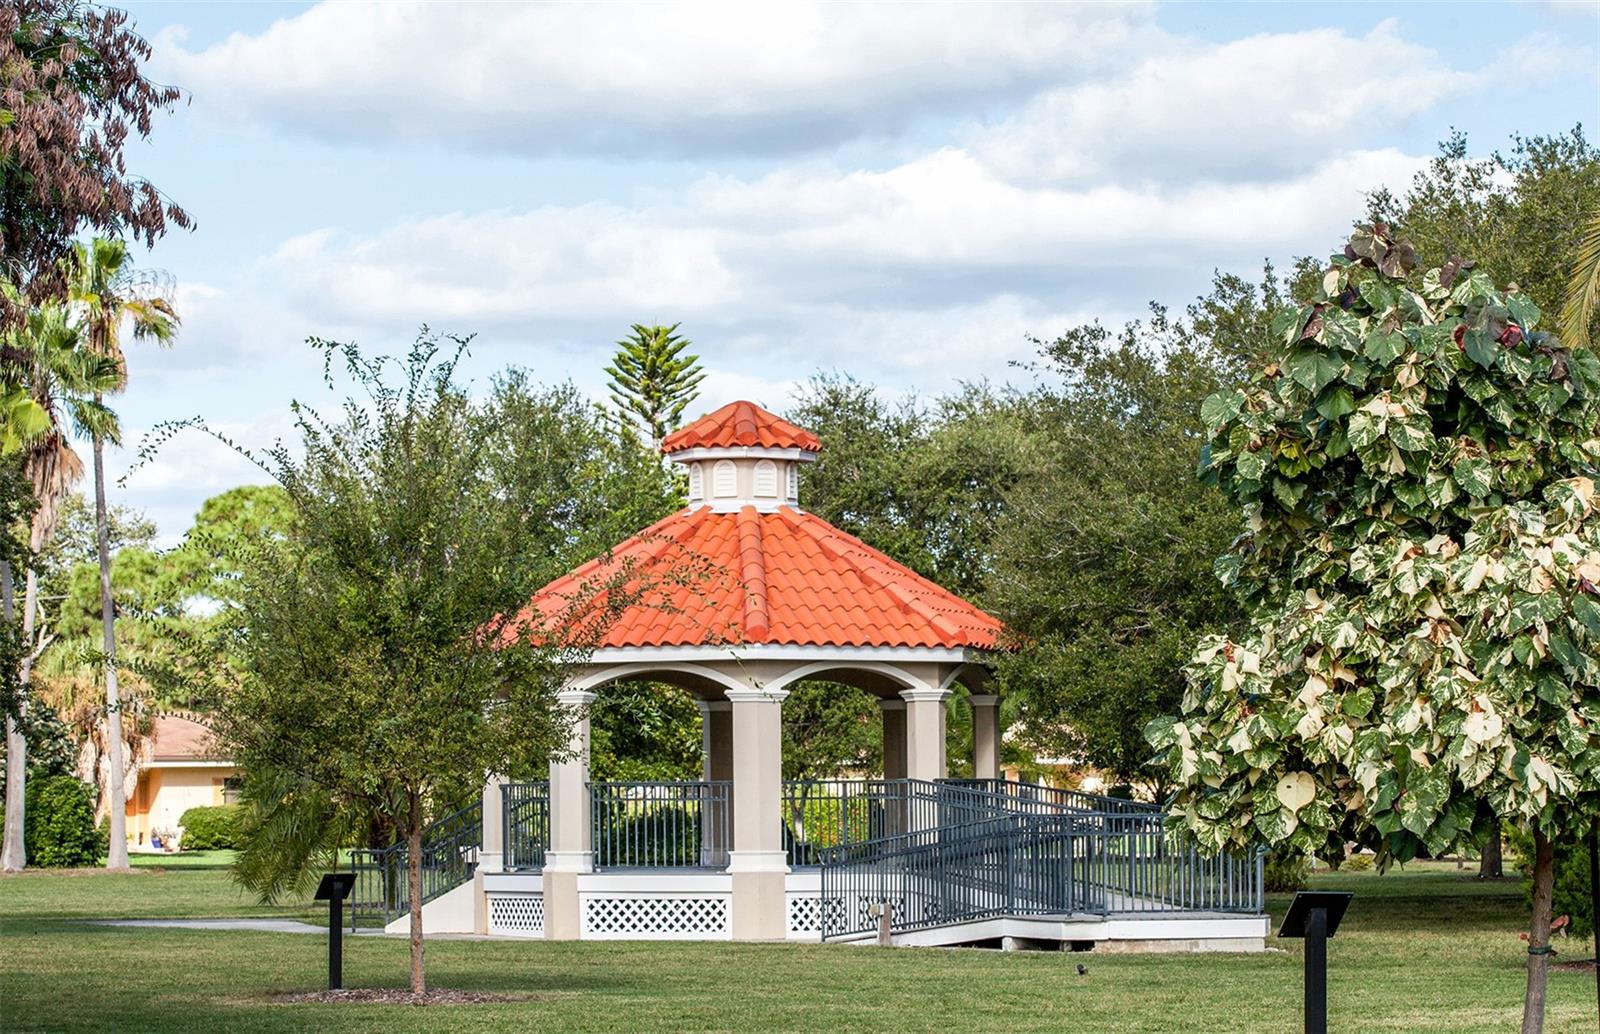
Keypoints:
pixel 1252 108
pixel 677 78
pixel 941 230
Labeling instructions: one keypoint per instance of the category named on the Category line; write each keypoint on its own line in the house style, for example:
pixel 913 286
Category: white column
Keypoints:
pixel 491 855
pixel 925 720
pixel 716 765
pixel 894 738
pixel 571 850
pixel 757 863
pixel 491 852
pixel 985 735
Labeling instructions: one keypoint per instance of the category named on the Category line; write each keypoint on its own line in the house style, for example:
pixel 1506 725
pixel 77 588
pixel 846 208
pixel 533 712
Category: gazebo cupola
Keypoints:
pixel 741 455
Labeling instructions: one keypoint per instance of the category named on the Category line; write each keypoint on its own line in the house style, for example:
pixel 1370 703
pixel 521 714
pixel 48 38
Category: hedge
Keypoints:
pixel 59 830
pixel 210 828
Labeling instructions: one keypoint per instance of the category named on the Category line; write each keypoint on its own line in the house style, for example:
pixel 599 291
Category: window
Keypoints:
pixel 766 479
pixel 724 479
pixel 697 481
pixel 794 481
pixel 230 790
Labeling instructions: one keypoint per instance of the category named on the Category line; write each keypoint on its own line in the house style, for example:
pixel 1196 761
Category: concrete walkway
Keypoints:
pixel 262 925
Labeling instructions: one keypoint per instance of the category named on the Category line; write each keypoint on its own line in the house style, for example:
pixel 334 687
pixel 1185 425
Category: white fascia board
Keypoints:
pixel 734 452
pixel 160 763
pixel 780 652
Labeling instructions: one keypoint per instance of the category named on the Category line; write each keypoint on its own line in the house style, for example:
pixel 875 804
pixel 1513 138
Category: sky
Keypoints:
pixel 900 193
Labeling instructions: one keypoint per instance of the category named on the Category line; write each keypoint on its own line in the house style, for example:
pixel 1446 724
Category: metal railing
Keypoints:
pixel 525 813
pixel 1068 863
pixel 670 825
pixel 450 848
pixel 1037 798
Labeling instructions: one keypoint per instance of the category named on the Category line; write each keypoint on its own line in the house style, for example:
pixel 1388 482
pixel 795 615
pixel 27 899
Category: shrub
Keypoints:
pixel 1286 871
pixel 59 828
pixel 1358 863
pixel 210 828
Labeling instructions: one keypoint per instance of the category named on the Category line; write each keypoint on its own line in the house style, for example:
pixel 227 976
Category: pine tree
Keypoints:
pixel 652 380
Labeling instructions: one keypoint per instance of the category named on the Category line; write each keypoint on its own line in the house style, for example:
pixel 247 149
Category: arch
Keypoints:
pixel 766 479
pixel 840 671
pixel 695 678
pixel 724 479
pixel 970 676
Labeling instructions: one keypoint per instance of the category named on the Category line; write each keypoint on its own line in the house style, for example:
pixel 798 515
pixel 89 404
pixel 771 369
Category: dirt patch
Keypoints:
pixel 403 996
pixel 1575 966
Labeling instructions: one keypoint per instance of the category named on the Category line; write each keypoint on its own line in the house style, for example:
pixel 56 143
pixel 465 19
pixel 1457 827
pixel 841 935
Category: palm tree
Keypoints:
pixel 65 382
pixel 652 381
pixel 107 291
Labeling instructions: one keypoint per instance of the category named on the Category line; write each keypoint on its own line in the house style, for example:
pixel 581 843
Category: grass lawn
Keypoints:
pixel 1427 949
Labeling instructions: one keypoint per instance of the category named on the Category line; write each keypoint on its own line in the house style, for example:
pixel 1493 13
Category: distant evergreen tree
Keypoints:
pixel 652 380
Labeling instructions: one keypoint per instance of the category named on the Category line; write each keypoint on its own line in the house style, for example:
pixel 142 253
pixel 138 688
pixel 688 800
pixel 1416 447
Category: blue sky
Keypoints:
pixel 899 192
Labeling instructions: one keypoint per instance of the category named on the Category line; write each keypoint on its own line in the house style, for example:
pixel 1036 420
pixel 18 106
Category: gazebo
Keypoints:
pixel 779 595
pixel 736 598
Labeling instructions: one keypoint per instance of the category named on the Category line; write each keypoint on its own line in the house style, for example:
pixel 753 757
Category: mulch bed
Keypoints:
pixel 403 996
pixel 1575 966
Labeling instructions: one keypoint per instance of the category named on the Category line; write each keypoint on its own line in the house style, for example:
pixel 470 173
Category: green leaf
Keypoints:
pixel 1384 349
pixel 1481 348
pixel 1221 407
pixel 1587 610
pixel 1314 370
pixel 1362 429
pixel 1475 476
pixel 1336 403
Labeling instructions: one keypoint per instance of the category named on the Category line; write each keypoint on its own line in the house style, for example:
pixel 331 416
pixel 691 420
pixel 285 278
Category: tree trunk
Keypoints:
pixel 117 855
pixel 414 891
pixel 1539 934
pixel 1491 866
pixel 14 854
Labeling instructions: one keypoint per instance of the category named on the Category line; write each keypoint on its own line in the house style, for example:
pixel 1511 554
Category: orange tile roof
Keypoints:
pixel 737 424
pixel 175 737
pixel 784 578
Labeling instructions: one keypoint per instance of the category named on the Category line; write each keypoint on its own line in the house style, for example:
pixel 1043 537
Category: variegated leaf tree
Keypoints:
pixel 1420 560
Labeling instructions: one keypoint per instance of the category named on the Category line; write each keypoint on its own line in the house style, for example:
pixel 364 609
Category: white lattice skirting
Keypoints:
pixel 656 916
pixel 516 915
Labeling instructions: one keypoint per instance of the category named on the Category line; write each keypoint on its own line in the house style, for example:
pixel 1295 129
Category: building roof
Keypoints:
pixel 784 577
pixel 175 737
pixel 740 424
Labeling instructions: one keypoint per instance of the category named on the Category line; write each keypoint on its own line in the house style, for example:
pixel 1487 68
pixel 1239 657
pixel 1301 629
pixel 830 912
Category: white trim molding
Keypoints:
pixel 574 696
pixel 793 453
pixel 638 655
pixel 922 694
pixel 756 694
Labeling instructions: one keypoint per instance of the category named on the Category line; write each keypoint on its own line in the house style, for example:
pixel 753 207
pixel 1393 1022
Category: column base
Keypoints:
pixel 563 919
pixel 760 905
pixel 758 861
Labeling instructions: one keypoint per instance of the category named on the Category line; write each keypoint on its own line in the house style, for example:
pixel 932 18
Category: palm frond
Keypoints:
pixel 1583 286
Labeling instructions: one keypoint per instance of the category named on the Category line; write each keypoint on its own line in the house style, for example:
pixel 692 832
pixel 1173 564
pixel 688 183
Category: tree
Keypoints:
pixel 74 93
pixel 378 669
pixel 1102 560
pixel 653 381
pixel 63 382
pixel 1519 216
pixel 108 292
pixel 1420 566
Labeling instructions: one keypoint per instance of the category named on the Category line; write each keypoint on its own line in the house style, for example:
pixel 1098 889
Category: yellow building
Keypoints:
pixel 179 768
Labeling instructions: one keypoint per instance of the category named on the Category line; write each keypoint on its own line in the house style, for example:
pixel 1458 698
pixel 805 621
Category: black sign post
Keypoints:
pixel 333 889
pixel 1315 915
